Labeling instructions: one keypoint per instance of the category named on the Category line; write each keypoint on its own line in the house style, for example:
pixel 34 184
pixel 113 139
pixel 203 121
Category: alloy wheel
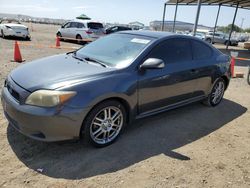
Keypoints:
pixel 217 92
pixel 106 125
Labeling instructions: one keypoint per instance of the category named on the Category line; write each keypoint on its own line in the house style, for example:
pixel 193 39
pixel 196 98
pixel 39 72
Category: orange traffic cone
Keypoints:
pixel 232 67
pixel 17 54
pixel 57 42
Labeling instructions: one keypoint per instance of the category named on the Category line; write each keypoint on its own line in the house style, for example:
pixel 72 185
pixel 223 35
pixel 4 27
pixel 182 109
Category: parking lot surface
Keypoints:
pixel 193 146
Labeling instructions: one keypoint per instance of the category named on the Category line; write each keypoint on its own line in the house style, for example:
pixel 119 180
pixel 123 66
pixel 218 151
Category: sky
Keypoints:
pixel 121 11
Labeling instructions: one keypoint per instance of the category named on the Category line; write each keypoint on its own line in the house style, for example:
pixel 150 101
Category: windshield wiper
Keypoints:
pixel 74 56
pixel 86 59
pixel 95 61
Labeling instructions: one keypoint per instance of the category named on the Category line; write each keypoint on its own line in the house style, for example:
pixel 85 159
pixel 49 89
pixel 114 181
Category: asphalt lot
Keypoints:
pixel 193 146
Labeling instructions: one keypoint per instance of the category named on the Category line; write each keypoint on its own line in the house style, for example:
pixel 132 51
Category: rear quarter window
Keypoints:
pixel 201 51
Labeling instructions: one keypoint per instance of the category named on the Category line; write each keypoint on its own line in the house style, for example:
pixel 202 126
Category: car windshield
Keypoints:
pixel 116 50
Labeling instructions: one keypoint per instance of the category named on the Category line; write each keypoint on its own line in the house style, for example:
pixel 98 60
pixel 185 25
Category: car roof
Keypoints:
pixel 152 34
pixel 83 21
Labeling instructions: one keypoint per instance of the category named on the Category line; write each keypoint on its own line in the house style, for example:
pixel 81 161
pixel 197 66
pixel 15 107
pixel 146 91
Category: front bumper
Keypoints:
pixel 45 124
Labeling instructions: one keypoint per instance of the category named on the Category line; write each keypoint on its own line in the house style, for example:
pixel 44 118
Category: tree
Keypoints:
pixel 247 30
pixel 227 29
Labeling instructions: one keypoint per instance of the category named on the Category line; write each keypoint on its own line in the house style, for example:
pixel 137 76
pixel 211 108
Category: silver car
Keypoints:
pixel 220 38
pixel 12 28
pixel 82 30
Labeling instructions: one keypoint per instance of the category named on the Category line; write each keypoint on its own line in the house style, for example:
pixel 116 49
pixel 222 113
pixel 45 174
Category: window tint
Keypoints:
pixel 67 25
pixel 80 25
pixel 173 51
pixel 201 51
pixel 95 25
pixel 73 25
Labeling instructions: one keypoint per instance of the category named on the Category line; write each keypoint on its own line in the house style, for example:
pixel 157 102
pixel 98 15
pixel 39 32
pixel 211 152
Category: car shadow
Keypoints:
pixel 75 42
pixel 159 134
pixel 16 38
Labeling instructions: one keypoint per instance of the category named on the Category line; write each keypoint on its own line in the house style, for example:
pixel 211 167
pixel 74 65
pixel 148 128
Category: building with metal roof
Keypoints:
pixel 236 4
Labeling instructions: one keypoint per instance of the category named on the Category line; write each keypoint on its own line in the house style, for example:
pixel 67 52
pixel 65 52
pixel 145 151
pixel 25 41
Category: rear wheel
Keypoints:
pixel 27 38
pixel 3 36
pixel 217 93
pixel 79 39
pixel 228 43
pixel 104 123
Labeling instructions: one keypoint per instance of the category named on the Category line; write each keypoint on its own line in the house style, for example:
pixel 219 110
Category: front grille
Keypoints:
pixel 13 92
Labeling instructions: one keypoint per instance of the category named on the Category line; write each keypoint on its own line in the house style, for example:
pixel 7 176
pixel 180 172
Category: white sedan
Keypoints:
pixel 11 28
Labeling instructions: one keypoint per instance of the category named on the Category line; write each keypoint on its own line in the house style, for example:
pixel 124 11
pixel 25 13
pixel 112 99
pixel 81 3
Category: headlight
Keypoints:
pixel 49 98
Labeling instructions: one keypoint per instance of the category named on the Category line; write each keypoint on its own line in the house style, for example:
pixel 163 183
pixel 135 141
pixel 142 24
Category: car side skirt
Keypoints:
pixel 170 107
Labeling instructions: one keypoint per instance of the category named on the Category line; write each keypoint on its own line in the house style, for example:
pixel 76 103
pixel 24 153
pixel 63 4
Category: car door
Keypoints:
pixel 203 59
pixel 158 88
pixel 216 38
pixel 65 30
pixel 73 30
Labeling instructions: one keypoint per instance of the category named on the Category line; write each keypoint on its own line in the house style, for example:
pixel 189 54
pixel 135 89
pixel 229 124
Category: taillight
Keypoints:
pixel 89 32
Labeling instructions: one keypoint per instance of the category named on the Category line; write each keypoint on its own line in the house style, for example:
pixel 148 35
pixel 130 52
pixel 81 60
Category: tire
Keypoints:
pixel 229 43
pixel 27 38
pixel 79 39
pixel 101 130
pixel 3 36
pixel 59 35
pixel 217 93
pixel 209 40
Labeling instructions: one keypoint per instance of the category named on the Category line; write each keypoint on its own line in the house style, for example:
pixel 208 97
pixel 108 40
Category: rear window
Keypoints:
pixel 95 25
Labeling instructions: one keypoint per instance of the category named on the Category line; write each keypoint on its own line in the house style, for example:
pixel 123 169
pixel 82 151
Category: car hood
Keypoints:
pixel 55 72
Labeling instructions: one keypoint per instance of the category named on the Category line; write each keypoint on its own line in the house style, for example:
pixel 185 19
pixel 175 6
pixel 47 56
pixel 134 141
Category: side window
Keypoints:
pixel 67 25
pixel 73 25
pixel 80 25
pixel 173 51
pixel 201 51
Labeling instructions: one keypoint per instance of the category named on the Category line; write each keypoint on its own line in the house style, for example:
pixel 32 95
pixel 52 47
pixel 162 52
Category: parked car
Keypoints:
pixel 13 28
pixel 82 30
pixel 199 35
pixel 220 38
pixel 114 29
pixel 98 89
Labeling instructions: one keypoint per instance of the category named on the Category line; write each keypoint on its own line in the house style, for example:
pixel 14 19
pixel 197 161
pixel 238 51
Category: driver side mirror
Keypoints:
pixel 62 26
pixel 152 63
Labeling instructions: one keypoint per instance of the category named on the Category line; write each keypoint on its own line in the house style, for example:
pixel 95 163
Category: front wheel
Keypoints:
pixel 228 43
pixel 209 40
pixel 104 123
pixel 60 36
pixel 217 93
